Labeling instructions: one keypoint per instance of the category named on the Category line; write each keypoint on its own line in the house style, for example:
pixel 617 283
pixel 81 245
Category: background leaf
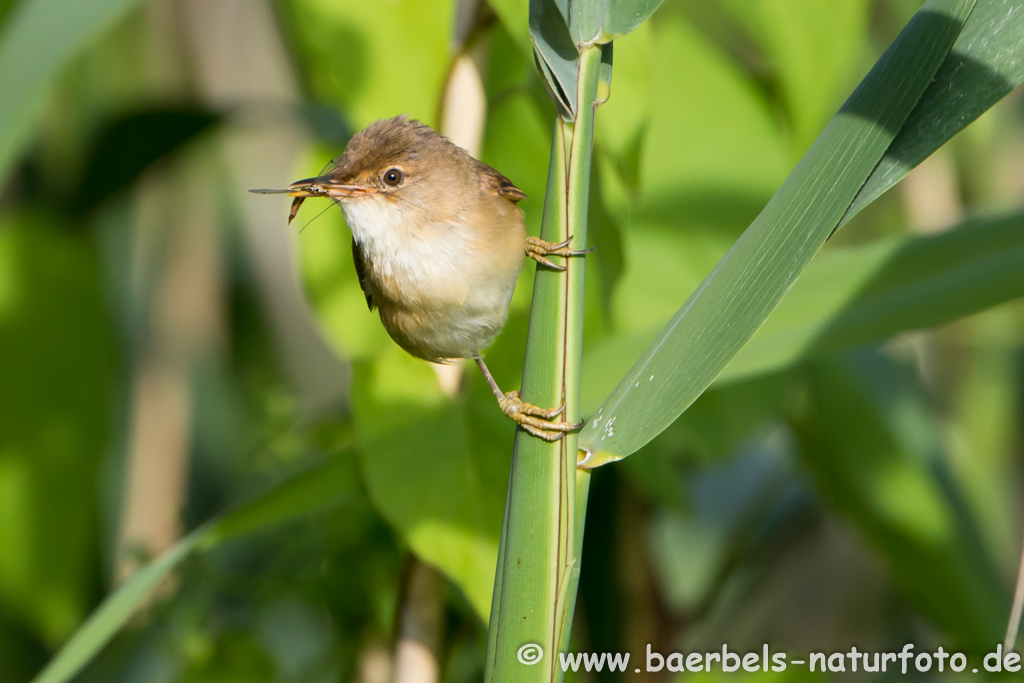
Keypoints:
pixel 857 295
pixel 355 48
pixel 37 39
pixel 130 144
pixel 52 435
pixel 814 48
pixel 703 172
pixel 321 488
pixel 434 477
pixel 870 293
pixel 890 484
pixel 515 17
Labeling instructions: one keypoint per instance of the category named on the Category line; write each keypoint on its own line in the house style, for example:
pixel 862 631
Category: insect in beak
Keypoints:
pixel 316 187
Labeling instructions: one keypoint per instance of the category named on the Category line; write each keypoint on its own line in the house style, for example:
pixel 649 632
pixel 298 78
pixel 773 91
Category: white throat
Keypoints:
pixel 424 259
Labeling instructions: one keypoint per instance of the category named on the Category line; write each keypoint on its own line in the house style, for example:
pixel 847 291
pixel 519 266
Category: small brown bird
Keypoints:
pixel 438 243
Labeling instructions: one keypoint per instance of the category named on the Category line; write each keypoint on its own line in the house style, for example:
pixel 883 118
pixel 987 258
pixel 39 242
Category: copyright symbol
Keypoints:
pixel 531 653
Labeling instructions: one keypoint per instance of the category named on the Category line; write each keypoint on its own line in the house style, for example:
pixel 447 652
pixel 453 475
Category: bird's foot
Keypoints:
pixel 539 249
pixel 537 421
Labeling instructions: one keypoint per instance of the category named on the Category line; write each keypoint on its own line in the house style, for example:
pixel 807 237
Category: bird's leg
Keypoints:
pixel 538 249
pixel 536 421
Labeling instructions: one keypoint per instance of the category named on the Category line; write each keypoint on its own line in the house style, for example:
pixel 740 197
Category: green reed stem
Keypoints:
pixel 538 561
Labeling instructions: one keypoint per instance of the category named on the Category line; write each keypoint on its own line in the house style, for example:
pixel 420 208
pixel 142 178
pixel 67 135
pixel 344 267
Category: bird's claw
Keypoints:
pixel 536 420
pixel 538 249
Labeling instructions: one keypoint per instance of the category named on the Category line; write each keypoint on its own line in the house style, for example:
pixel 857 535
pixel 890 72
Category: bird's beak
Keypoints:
pixel 320 187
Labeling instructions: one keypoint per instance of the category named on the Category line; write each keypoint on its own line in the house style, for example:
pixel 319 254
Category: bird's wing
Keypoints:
pixel 498 184
pixel 360 263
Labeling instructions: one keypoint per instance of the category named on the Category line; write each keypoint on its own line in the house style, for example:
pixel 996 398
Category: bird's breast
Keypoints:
pixel 443 287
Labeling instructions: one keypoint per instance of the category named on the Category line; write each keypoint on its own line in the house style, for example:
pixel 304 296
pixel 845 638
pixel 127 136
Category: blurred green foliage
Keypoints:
pixel 866 496
pixel 59 364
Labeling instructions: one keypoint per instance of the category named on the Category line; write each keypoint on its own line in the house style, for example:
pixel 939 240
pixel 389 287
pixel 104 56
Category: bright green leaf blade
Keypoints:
pixel 39 37
pixel 869 293
pixel 587 19
pixel 601 21
pixel 320 488
pixel 625 15
pixel 746 285
pixel 986 63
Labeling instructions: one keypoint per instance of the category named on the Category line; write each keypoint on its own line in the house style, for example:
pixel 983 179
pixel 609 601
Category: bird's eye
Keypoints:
pixel 393 177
